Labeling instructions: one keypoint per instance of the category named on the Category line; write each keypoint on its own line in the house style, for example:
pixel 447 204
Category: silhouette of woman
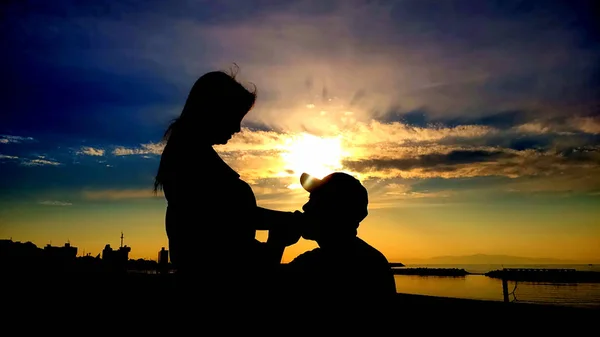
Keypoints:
pixel 212 215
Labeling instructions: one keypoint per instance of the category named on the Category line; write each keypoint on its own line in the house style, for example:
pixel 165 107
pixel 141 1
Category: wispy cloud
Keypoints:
pixel 55 203
pixel 566 126
pixel 561 153
pixel 6 139
pixel 39 162
pixel 143 149
pixel 395 150
pixel 118 194
pixel 91 151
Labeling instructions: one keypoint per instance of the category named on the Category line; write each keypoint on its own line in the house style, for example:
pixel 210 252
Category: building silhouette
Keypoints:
pixel 163 260
pixel 163 256
pixel 116 259
pixel 65 253
pixel 16 256
pixel 20 257
pixel 27 256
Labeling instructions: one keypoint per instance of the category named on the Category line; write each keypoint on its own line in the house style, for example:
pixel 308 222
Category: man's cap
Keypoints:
pixel 343 188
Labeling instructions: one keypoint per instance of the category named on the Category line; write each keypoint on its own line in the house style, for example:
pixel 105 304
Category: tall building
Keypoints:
pixel 163 261
pixel 163 256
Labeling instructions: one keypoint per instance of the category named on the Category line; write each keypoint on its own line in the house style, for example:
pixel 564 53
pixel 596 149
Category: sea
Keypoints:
pixel 481 287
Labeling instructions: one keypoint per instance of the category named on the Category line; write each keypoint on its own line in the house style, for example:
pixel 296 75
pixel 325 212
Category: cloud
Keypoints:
pixel 339 60
pixel 587 124
pixel 430 161
pixel 274 193
pixel 479 162
pixel 564 126
pixel 39 162
pixel 90 151
pixel 311 59
pixel 55 203
pixel 395 150
pixel 6 139
pixel 119 194
pixel 144 149
pixel 382 151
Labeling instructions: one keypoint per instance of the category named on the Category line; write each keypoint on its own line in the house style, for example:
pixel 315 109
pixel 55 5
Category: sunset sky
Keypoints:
pixel 474 125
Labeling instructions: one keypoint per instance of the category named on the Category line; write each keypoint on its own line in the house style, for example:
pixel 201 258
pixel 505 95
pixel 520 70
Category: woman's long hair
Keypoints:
pixel 212 99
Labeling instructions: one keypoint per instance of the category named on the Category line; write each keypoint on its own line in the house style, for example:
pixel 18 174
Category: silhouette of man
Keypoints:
pixel 343 265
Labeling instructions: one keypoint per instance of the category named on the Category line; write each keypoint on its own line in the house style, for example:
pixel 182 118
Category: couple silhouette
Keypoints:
pixel 212 216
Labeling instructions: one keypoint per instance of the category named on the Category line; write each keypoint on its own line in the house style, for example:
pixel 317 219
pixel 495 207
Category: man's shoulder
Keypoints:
pixel 307 257
pixel 372 253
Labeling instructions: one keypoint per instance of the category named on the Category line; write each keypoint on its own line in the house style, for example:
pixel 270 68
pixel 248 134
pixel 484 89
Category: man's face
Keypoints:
pixel 320 213
pixel 312 210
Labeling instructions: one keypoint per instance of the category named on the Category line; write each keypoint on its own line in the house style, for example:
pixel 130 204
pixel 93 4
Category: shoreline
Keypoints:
pixel 146 295
pixel 552 275
pixel 134 284
pixel 152 293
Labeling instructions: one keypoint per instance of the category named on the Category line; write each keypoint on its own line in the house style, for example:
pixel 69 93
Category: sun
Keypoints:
pixel 314 155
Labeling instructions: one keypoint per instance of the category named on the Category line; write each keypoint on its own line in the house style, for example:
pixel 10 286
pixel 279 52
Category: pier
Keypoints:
pixel 449 272
pixel 545 275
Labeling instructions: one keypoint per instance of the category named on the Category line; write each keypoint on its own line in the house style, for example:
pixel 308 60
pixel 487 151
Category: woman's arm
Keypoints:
pixel 285 229
pixel 279 239
pixel 268 219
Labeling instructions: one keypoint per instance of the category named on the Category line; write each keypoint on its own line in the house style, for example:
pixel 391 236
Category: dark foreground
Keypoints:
pixel 69 298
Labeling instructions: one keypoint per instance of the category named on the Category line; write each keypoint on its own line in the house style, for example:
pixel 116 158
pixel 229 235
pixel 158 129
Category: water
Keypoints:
pixel 486 288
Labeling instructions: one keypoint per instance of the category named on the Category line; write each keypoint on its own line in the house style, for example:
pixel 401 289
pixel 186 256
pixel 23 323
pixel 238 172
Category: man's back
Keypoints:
pixel 353 268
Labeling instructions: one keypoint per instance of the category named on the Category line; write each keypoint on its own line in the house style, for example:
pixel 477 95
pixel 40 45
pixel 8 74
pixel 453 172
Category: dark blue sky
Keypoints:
pixel 94 71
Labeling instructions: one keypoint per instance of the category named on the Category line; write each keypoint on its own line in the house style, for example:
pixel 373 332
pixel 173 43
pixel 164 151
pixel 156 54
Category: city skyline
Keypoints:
pixel 433 260
pixel 474 134
pixel 82 252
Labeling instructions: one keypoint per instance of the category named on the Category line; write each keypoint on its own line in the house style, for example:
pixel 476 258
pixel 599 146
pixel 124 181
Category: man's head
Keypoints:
pixel 336 206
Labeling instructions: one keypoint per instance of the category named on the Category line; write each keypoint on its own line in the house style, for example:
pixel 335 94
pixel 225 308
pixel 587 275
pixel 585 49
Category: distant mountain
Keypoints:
pixel 489 259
